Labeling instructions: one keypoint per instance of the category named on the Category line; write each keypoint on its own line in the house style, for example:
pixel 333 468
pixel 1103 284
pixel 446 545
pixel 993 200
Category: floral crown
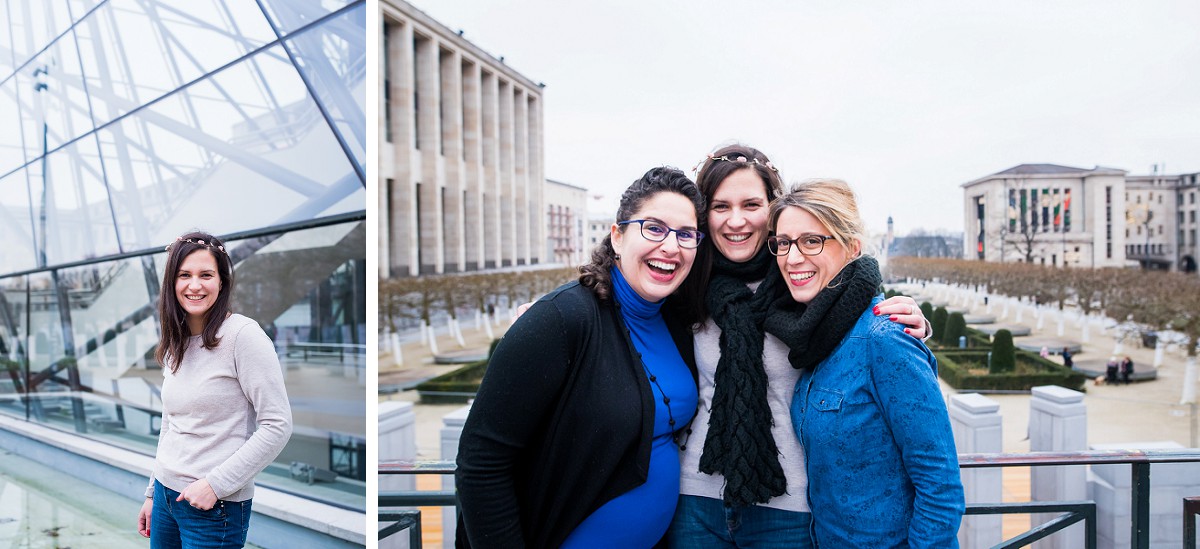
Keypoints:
pixel 198 242
pixel 739 158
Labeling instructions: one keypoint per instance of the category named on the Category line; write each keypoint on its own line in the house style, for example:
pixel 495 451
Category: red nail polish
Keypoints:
pixel 907 331
pixel 875 310
pixel 893 318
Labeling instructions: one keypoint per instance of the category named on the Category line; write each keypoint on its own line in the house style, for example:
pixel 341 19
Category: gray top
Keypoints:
pixel 211 407
pixel 781 384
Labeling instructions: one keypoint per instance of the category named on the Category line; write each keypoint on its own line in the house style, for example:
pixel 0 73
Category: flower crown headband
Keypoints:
pixel 197 242
pixel 738 158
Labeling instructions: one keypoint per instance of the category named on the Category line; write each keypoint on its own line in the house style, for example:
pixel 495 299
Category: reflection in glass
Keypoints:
pixel 190 37
pixel 33 25
pixel 267 157
pixel 334 61
pixel 92 368
pixel 12 147
pixel 51 92
pixel 16 223
pixel 204 121
pixel 289 15
pixel 78 215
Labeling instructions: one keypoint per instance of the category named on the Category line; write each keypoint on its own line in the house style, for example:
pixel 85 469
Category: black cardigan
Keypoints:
pixel 562 423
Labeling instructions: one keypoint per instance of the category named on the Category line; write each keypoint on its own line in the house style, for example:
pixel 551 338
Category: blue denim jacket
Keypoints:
pixel 882 468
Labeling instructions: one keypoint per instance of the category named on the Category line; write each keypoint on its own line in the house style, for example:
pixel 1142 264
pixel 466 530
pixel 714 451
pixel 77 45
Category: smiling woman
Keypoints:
pixel 225 411
pixel 571 441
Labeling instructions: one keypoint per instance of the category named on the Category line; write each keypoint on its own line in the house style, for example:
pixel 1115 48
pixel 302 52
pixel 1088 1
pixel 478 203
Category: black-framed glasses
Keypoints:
pixel 809 244
pixel 657 231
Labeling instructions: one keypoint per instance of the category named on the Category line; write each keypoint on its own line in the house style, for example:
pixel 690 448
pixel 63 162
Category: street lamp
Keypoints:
pixel 40 85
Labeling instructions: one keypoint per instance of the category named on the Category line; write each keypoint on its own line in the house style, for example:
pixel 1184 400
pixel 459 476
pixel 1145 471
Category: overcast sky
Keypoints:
pixel 905 100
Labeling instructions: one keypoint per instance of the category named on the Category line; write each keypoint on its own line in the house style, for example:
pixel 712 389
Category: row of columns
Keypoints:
pixel 464 188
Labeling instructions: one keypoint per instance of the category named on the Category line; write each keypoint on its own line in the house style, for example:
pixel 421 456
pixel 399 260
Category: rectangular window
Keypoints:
pixel 387 105
pixel 1108 222
pixel 1045 210
pixel 1066 210
pixel 1024 212
pixel 1012 210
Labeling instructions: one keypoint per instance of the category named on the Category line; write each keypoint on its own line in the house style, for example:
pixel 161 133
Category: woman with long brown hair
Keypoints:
pixel 225 410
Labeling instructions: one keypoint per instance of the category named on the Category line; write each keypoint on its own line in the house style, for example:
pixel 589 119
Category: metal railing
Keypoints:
pixel 1074 512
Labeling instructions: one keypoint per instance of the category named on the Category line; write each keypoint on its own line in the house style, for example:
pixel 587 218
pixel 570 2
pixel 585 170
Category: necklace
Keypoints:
pixel 654 380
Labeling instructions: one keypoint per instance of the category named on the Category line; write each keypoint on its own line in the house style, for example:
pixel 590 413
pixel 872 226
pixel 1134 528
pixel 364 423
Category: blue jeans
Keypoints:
pixel 705 523
pixel 178 525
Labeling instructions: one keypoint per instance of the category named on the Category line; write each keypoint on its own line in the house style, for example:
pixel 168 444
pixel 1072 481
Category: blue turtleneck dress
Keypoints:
pixel 639 517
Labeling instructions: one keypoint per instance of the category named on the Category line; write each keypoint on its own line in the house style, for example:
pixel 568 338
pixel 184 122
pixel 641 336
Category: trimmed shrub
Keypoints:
pixel 939 322
pixel 1004 356
pixel 965 370
pixel 927 310
pixel 956 326
pixel 457 386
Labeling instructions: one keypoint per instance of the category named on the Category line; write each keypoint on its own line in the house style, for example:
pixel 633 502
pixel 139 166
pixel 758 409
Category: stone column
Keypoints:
pixel 508 204
pixel 521 176
pixel 1110 486
pixel 1058 423
pixel 473 170
pixel 429 144
pixel 493 252
pixel 397 441
pixel 452 426
pixel 453 222
pixel 976 422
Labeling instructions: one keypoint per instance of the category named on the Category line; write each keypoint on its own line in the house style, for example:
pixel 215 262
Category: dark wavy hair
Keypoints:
pixel 172 317
pixel 595 274
pixel 712 173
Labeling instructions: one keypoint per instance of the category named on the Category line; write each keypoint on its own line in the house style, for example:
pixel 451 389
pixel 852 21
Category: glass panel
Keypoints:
pixel 12 146
pixel 333 58
pixel 33 25
pixel 248 139
pixel 52 92
pixel 290 15
pixel 318 322
pixel 189 39
pixel 79 221
pixel 16 224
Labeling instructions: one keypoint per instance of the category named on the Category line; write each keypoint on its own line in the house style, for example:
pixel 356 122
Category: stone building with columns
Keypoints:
pixel 461 166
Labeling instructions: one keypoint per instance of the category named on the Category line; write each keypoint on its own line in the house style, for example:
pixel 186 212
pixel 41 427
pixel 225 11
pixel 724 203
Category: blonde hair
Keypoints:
pixel 833 203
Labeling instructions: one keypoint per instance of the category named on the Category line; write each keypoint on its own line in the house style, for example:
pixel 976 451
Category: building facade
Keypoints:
pixel 461 172
pixel 1047 214
pixel 1161 226
pixel 243 118
pixel 566 210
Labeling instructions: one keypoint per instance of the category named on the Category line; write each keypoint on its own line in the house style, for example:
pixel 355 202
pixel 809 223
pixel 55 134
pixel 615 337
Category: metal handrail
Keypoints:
pixel 1076 511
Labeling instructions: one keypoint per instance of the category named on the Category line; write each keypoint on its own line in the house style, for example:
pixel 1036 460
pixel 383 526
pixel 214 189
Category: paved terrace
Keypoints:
pixel 1145 411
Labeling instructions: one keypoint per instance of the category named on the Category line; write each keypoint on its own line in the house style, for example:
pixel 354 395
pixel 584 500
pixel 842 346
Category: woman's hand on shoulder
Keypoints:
pixel 904 310
pixel 144 517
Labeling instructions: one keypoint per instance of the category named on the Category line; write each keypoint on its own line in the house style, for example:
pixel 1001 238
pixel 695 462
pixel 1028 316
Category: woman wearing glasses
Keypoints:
pixel 571 439
pixel 743 478
pixel 881 463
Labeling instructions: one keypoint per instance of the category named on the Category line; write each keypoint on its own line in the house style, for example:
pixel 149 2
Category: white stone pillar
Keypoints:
pixel 1111 487
pixel 1058 423
pixel 452 426
pixel 976 422
pixel 397 441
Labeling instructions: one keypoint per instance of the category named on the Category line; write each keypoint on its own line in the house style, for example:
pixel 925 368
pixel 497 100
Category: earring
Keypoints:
pixel 617 257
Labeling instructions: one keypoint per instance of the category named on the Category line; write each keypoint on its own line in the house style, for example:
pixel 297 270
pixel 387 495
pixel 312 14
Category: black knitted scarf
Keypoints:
pixel 739 444
pixel 814 330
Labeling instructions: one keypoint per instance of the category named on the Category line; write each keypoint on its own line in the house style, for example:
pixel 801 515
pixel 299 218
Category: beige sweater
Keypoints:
pixel 211 407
